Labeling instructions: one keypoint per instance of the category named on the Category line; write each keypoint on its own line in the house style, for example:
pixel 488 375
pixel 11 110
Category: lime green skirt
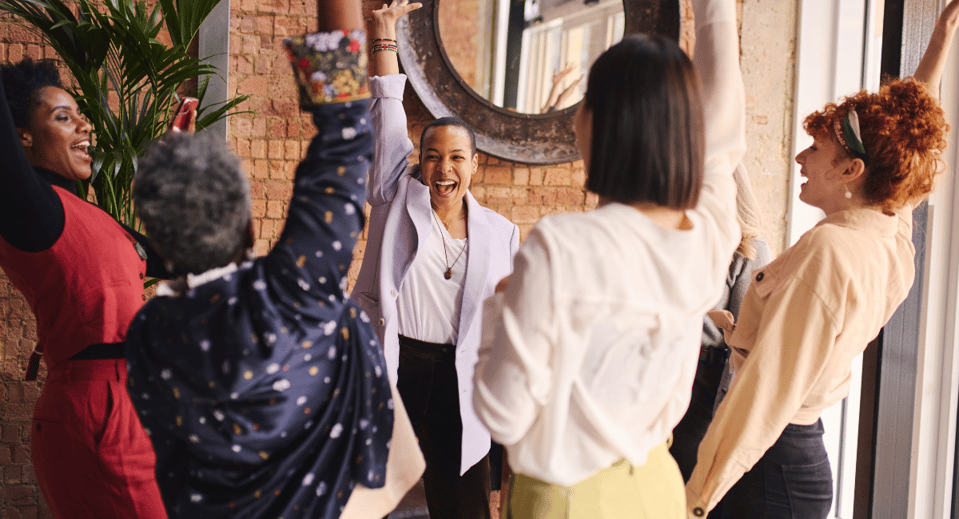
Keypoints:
pixel 653 491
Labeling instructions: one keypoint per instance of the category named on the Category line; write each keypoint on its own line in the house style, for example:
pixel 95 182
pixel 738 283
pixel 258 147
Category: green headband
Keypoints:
pixel 847 131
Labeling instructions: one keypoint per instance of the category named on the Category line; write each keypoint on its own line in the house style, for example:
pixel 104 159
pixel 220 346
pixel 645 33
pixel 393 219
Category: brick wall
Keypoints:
pixel 270 142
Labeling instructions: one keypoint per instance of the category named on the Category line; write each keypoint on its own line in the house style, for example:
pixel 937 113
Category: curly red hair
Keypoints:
pixel 903 130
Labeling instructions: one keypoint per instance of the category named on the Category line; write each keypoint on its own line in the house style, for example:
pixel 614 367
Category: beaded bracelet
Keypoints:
pixel 383 39
pixel 385 46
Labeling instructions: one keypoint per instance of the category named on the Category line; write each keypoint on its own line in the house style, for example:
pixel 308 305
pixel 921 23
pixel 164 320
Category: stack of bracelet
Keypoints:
pixel 384 44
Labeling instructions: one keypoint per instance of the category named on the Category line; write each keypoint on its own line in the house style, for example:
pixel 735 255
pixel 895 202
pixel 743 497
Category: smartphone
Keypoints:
pixel 184 114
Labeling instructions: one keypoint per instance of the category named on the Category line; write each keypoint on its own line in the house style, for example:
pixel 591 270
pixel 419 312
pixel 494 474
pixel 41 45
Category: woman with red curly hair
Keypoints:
pixel 812 310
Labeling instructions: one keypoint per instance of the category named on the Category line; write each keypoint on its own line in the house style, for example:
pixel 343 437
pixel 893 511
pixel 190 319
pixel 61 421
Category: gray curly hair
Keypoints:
pixel 193 200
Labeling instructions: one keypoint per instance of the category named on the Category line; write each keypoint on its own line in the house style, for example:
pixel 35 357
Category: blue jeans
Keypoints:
pixel 791 481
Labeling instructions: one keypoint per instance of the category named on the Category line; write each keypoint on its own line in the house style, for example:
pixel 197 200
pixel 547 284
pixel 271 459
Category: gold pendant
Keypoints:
pixel 448 274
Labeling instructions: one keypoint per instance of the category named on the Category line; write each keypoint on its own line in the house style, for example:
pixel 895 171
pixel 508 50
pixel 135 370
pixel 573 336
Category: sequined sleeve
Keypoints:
pixel 330 67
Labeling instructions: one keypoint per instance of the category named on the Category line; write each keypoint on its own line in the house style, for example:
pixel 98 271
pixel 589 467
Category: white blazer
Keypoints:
pixel 400 216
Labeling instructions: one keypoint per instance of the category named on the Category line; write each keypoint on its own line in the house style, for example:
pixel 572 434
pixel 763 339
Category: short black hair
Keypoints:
pixel 648 141
pixel 193 200
pixel 22 83
pixel 451 121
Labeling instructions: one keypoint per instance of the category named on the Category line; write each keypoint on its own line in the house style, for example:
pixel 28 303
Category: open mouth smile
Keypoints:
pixel 81 149
pixel 445 187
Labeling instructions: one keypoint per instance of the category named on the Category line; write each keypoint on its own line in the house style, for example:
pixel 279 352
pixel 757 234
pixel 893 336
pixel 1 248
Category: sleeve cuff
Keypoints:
pixel 330 67
pixel 391 86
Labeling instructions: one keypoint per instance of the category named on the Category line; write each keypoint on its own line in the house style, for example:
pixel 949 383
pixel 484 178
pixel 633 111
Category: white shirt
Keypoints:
pixel 589 355
pixel 436 300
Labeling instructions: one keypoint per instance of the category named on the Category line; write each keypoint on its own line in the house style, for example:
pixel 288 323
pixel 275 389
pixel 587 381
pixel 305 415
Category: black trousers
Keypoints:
pixel 428 386
pixel 791 481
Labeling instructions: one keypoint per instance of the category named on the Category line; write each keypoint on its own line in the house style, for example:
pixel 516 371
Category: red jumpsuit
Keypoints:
pixel 91 455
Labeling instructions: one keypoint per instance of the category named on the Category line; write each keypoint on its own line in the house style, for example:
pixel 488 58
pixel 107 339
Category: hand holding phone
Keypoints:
pixel 184 119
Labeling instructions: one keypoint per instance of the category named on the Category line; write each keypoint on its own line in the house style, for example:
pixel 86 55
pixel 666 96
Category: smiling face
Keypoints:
pixel 822 165
pixel 447 163
pixel 57 137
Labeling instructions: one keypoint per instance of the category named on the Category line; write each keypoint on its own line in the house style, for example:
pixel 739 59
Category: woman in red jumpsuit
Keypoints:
pixel 82 274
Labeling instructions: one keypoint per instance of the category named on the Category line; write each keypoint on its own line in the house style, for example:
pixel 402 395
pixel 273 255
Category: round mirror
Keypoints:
pixel 528 56
pixel 529 138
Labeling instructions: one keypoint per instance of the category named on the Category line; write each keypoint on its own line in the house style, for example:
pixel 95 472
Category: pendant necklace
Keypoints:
pixel 449 268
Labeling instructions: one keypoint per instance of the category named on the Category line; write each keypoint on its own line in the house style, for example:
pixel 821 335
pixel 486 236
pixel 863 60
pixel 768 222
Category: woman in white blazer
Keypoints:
pixel 433 256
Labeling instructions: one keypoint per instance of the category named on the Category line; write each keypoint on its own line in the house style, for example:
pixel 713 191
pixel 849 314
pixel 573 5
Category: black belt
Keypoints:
pixel 713 355
pixel 108 350
pixel 431 350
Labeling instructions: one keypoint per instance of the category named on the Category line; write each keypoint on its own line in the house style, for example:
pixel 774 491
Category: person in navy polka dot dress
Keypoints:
pixel 261 384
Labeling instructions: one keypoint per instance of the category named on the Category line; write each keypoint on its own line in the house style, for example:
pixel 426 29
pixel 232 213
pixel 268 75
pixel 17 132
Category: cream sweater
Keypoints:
pixel 802 321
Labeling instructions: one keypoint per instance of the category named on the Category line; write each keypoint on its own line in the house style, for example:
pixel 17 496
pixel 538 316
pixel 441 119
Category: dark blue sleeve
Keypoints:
pixel 31 213
pixel 313 255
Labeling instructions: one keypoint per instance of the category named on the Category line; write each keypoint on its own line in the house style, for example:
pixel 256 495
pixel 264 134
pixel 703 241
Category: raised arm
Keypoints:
pixel 716 59
pixel 930 71
pixel 326 210
pixel 933 61
pixel 392 145
pixel 31 214
pixel 385 60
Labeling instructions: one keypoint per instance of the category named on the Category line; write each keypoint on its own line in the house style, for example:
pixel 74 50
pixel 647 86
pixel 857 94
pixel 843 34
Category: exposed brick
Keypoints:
pixel 29 475
pixel 277 128
pixel 14 392
pixel 17 412
pixel 275 209
pixel 498 175
pixel 570 196
pixel 258 191
pixel 536 176
pixel 259 208
pixel 292 151
pixel 258 148
pixel 521 176
pixel 524 214
pixel 557 177
pixel 19 495
pixel 542 196
pixel 261 169
pixel 21 454
pixel 247 24
pixel 254 85
pixel 279 191
pixel 498 195
pixel 9 433
pixel 275 150
pixel 286 108
pixel 278 169
pixel 261 247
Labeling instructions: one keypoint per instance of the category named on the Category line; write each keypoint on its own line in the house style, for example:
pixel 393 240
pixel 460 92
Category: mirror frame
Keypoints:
pixel 513 136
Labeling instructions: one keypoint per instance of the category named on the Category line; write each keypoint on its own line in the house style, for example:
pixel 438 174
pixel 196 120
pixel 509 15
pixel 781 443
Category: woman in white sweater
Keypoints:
pixel 588 355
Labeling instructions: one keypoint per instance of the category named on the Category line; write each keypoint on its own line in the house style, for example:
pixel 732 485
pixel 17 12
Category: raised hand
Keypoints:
pixel 383 37
pixel 384 18
pixel 933 61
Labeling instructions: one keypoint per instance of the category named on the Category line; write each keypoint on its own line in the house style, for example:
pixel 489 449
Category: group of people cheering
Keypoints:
pixel 259 387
